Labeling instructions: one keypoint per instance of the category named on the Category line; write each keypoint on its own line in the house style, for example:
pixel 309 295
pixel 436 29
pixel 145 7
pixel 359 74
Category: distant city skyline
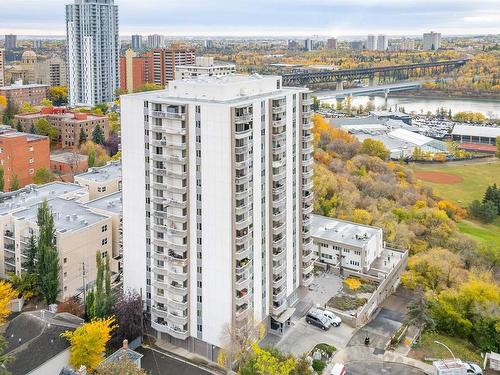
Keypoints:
pixel 265 18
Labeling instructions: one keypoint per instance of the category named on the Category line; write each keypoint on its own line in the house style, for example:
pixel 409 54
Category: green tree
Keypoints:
pixel 30 251
pixel 33 129
pixel 102 293
pixel 374 147
pixel 498 146
pixel 5 359
pixel 47 260
pixel 91 158
pixel 9 113
pixel 417 313
pixel 98 135
pixel 82 138
pixel 14 183
pixel 26 108
pixel 43 176
pixel 1 179
pixel 43 127
pixel 19 127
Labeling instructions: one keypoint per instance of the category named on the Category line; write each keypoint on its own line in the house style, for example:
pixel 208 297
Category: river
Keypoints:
pixel 488 107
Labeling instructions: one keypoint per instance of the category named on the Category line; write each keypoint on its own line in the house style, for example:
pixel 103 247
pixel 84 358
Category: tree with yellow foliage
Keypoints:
pixel 352 283
pixel 7 293
pixel 3 101
pixel 88 342
pixel 267 363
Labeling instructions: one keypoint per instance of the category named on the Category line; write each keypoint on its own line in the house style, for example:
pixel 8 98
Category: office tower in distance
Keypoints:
pixel 382 43
pixel 156 41
pixel 331 43
pixel 356 45
pixel 136 42
pixel 431 41
pixel 93 51
pixel 371 43
pixel 166 59
pixel 2 67
pixel 37 44
pixel 209 44
pixel 217 197
pixel 308 45
pixel 10 41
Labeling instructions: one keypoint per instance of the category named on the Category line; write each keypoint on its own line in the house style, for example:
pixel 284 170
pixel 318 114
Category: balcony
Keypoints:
pixel 307 162
pixel 308 256
pixel 177 317
pixel 278 307
pixel 308 267
pixel 307 125
pixel 168 130
pixel 280 147
pixel 279 228
pixel 279 137
pixel 279 123
pixel 243 253
pixel 307 279
pixel 242 265
pixel 178 289
pixel 243 208
pixel 176 258
pixel 280 175
pixel 279 109
pixel 177 332
pixel 279 293
pixel 8 233
pixel 243 133
pixel 242 238
pixel 159 311
pixel 242 312
pixel 279 267
pixel 242 297
pixel 278 281
pixel 177 275
pixel 308 185
pixel 307 101
pixel 308 209
pixel 307 174
pixel 176 304
pixel 279 254
pixel 308 138
pixel 279 201
pixel 168 115
pixel 242 281
pixel 307 150
pixel 244 118
pixel 242 149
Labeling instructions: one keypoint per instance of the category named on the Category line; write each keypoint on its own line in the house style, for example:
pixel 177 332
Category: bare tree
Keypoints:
pixel 73 159
pixel 238 341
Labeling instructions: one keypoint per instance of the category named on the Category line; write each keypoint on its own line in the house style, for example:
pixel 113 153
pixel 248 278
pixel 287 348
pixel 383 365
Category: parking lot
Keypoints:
pixel 302 337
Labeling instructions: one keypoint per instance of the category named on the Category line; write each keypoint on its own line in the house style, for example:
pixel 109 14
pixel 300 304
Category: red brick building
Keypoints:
pixel 135 71
pixel 166 59
pixel 67 123
pixel 22 155
pixel 17 94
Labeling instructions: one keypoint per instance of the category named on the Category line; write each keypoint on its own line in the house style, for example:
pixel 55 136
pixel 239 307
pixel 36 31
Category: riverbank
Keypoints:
pixel 437 94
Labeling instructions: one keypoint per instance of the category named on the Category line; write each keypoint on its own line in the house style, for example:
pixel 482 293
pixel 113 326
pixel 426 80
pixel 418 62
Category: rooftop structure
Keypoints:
pixel 112 203
pixel 103 180
pixel 204 66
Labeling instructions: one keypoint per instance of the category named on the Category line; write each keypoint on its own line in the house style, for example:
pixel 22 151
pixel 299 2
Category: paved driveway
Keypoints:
pixel 380 368
pixel 157 363
pixel 302 337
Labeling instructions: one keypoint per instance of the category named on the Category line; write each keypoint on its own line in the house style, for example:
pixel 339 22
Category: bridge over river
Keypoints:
pixel 379 89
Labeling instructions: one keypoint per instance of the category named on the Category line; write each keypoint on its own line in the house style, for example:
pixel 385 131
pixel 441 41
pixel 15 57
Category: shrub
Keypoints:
pixel 352 283
pixel 318 365
pixel 346 303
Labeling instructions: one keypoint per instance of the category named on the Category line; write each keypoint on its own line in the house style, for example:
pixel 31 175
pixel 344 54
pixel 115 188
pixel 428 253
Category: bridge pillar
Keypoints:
pixel 340 85
pixel 371 81
pixel 386 94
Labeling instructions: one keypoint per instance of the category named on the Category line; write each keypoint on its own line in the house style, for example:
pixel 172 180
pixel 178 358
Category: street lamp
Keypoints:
pixel 440 343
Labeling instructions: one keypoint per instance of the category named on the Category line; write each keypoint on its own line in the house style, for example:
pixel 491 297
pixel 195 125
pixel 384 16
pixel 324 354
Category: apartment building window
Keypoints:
pixel 65 260
pixel 31 161
pixel 101 189
pixel 104 241
pixel 104 228
pixel 31 148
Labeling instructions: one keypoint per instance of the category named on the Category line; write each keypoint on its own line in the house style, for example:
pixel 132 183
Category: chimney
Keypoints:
pixel 125 344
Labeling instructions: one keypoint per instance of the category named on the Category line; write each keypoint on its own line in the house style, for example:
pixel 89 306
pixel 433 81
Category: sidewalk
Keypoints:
pixel 357 353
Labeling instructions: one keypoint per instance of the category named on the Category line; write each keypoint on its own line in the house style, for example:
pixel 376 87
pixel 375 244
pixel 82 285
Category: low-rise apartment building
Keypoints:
pixel 111 206
pixel 82 229
pixel 67 164
pixel 69 124
pixel 17 93
pixel 101 181
pixel 21 155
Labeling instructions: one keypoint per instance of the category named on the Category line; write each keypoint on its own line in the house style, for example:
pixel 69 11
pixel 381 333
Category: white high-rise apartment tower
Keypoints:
pixel 382 42
pixel 217 197
pixel 93 51
pixel 371 44
pixel 431 41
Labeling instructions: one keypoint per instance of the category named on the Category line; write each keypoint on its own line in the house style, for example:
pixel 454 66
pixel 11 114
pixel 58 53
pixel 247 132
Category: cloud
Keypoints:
pixel 268 17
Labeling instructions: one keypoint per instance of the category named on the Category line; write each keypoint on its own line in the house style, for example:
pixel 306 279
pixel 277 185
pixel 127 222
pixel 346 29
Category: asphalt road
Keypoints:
pixel 156 363
pixel 380 368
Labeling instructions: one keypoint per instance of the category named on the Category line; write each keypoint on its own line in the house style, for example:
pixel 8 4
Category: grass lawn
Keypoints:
pixel 476 178
pixel 427 348
pixel 484 233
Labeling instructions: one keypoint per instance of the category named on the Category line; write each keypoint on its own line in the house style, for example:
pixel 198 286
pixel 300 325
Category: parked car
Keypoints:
pixel 332 318
pixel 472 368
pixel 317 319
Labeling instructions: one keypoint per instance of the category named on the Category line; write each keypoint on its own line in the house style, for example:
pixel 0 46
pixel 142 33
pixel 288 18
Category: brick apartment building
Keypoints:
pixel 2 67
pixel 156 66
pixel 21 155
pixel 17 94
pixel 67 123
pixel 166 59
pixel 135 70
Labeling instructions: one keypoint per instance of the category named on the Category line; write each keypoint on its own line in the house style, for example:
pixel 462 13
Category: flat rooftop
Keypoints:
pixel 18 87
pixel 477 131
pixel 340 231
pixel 110 171
pixel 229 89
pixel 32 194
pixel 112 203
pixel 67 157
pixel 68 215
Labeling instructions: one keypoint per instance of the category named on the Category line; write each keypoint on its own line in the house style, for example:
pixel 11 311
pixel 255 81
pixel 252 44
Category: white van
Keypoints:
pixel 338 369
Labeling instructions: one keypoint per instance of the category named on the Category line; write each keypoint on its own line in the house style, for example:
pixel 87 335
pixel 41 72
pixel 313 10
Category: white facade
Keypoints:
pixel 156 41
pixel 217 205
pixel 371 44
pixel 346 244
pixel 432 41
pixel 382 43
pixel 93 48
pixel 204 66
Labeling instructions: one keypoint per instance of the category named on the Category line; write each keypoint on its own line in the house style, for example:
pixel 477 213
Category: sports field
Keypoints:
pixel 460 183
pixel 463 183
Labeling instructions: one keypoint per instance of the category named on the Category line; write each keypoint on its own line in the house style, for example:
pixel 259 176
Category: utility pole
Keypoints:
pixel 84 275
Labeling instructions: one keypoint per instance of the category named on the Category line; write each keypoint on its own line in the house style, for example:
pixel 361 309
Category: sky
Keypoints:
pixel 267 17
